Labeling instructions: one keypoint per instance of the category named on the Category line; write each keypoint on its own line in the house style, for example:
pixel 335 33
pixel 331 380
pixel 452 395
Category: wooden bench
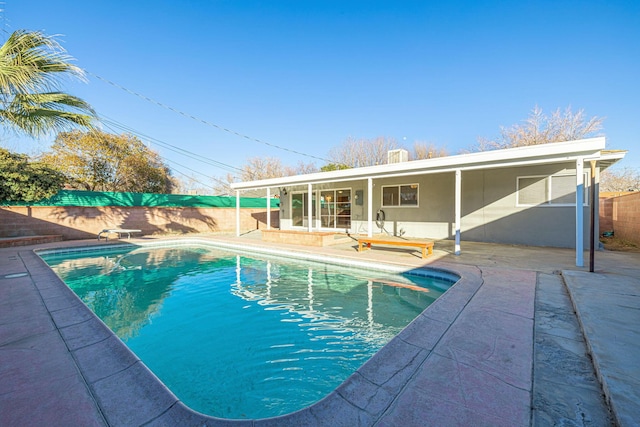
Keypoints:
pixel 366 242
pixel 118 231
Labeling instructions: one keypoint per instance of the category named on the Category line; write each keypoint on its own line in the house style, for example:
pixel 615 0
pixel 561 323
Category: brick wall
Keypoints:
pixel 626 217
pixel 76 222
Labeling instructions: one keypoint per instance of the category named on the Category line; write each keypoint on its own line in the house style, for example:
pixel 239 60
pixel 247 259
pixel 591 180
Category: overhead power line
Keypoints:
pixel 190 116
pixel 111 124
pixel 116 126
pixel 195 171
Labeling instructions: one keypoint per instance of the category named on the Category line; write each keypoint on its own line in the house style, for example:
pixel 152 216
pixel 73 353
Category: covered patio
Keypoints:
pixel 483 194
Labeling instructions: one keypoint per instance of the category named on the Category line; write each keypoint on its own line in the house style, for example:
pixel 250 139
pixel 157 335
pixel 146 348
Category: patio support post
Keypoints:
pixel 579 212
pixel 594 212
pixel 268 208
pixel 369 207
pixel 458 197
pixel 237 213
pixel 309 206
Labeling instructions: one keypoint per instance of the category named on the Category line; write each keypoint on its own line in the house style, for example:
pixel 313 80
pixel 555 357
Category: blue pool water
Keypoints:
pixel 239 336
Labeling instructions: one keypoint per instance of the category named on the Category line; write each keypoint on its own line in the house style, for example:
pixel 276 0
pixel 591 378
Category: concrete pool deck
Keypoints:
pixel 503 347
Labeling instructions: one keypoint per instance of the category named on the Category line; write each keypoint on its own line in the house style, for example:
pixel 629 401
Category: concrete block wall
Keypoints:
pixel 78 222
pixel 626 217
pixel 606 214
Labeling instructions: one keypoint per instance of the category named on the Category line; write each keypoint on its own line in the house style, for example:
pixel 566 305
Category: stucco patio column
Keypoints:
pixel 580 212
pixel 594 216
pixel 268 208
pixel 309 207
pixel 369 207
pixel 237 213
pixel 458 209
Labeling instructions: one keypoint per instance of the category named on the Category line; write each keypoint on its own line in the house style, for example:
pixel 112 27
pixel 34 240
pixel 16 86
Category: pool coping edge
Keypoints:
pixel 362 398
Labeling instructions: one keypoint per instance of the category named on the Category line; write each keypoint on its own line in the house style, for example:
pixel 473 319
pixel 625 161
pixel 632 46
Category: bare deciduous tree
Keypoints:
pixel 189 184
pixel 369 152
pixel 424 150
pixel 221 186
pixel 625 179
pixel 258 168
pixel 540 128
pixel 301 169
pixel 363 152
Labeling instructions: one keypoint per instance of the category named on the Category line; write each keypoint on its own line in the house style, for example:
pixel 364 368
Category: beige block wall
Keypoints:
pixel 75 222
pixel 606 214
pixel 626 217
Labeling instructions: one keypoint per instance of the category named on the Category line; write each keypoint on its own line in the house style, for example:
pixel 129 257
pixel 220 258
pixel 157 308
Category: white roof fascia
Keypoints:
pixel 440 170
pixel 535 154
pixel 609 157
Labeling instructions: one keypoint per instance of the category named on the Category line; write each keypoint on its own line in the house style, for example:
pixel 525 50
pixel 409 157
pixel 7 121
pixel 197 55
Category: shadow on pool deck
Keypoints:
pixel 502 347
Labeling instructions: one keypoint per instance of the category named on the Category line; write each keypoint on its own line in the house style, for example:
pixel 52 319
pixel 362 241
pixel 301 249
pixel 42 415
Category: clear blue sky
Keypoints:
pixel 306 75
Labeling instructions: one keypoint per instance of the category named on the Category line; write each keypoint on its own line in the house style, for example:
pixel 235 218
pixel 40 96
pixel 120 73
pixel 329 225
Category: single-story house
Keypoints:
pixel 540 195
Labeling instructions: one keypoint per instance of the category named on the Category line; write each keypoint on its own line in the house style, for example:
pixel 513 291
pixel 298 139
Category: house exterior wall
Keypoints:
pixel 433 217
pixel 490 212
pixel 489 208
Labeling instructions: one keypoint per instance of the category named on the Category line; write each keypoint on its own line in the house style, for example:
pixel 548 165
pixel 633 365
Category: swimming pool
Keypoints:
pixel 239 336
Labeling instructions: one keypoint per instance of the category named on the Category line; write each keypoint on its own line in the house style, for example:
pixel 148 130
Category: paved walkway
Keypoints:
pixel 608 309
pixel 565 388
pixel 467 360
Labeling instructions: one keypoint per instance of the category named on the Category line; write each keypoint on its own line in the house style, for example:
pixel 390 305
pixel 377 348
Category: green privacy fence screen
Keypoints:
pixel 107 198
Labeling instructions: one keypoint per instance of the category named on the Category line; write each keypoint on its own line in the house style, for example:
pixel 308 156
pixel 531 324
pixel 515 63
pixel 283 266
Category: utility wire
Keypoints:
pixel 165 106
pixel 189 169
pixel 195 171
pixel 114 124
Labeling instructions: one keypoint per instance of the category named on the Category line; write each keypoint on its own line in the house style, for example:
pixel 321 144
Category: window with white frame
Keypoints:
pixel 400 195
pixel 554 190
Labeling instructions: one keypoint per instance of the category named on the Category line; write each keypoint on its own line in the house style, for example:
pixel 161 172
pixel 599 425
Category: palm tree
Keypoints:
pixel 32 66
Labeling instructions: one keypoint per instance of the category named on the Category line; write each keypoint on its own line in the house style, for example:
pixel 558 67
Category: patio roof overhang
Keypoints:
pixel 559 152
pixel 582 152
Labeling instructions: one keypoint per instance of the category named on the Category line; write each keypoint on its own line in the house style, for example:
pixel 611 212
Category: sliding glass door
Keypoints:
pixel 300 210
pixel 335 209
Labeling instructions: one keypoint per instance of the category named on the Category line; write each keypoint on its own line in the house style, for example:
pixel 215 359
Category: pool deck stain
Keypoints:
pixel 476 356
